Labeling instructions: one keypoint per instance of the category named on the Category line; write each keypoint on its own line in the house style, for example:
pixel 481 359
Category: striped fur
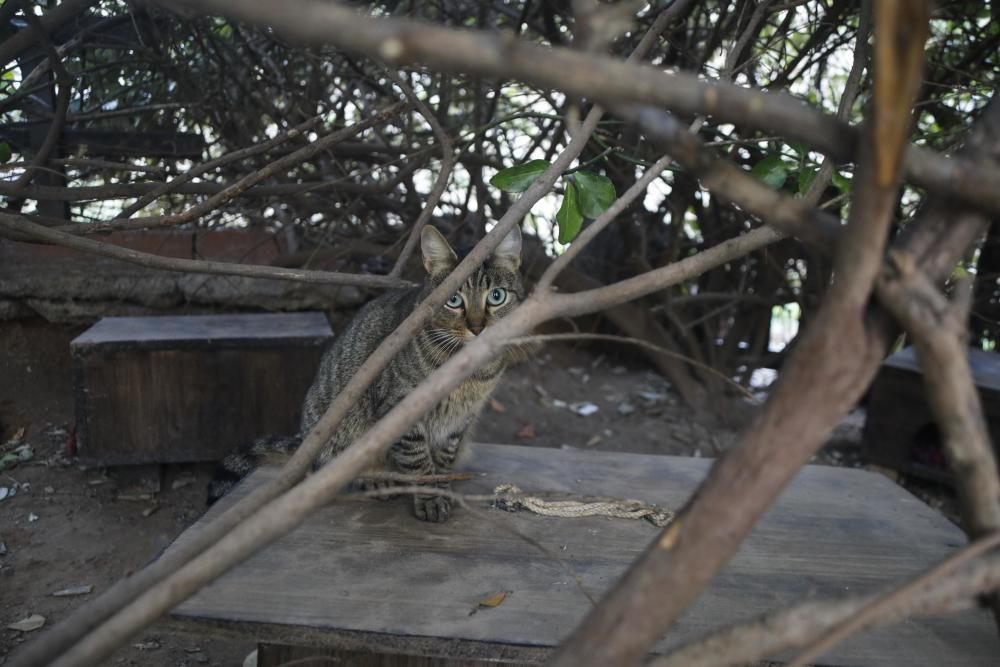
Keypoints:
pixel 436 440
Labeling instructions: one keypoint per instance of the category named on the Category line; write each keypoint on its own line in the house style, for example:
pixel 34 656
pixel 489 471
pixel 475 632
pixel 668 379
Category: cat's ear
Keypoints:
pixel 508 253
pixel 438 255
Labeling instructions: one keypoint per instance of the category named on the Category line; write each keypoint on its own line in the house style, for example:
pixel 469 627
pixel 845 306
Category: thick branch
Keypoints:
pixel 827 373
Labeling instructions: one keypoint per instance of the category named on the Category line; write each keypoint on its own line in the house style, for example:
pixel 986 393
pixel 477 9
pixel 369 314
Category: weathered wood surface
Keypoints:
pixel 249 329
pixel 366 575
pixel 278 655
pixel 191 388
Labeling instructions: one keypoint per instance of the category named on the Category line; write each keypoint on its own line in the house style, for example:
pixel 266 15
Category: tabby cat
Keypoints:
pixel 433 443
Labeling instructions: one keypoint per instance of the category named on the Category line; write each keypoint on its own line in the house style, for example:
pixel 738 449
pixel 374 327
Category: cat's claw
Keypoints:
pixel 435 509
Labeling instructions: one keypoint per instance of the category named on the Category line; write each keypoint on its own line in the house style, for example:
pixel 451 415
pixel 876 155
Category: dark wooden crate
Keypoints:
pixel 191 388
pixel 900 431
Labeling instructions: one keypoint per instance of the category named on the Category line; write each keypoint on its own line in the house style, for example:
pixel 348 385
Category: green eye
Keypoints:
pixel 496 296
pixel 455 301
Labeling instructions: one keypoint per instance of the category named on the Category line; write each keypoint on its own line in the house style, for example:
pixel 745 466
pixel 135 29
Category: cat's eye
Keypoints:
pixel 455 301
pixel 496 296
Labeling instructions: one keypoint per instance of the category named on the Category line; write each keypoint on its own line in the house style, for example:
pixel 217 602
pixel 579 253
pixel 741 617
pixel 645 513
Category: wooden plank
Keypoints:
pixel 252 328
pixel 365 575
pixel 277 655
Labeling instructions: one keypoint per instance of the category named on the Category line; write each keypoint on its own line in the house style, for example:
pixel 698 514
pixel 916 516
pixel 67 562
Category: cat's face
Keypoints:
pixel 486 296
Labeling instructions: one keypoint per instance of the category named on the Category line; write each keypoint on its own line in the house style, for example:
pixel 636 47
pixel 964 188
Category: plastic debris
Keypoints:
pixel 625 408
pixel 7 492
pixel 584 409
pixel 28 624
pixel 73 590
pixel 181 482
pixel 32 517
pixel 20 454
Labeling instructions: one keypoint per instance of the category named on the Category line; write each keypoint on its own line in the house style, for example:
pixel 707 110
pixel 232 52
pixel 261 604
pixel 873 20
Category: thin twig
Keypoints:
pixel 204 167
pixel 58 120
pixel 448 159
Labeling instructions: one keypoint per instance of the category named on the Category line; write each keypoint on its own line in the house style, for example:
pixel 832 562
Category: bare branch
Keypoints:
pixel 838 347
pixel 58 120
pixel 20 227
pixel 447 164
pixel 241 186
pixel 205 167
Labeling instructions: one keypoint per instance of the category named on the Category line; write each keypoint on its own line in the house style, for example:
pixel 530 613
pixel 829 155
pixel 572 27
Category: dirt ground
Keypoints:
pixel 67 527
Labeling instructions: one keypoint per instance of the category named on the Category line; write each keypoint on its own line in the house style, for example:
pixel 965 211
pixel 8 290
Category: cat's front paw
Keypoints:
pixel 435 509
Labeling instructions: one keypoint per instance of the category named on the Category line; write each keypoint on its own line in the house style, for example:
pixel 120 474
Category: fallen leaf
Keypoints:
pixel 73 590
pixel 527 432
pixel 493 600
pixel 29 624
pixel 497 406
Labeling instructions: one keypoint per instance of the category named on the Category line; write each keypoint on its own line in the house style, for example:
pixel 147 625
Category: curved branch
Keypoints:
pixel 18 225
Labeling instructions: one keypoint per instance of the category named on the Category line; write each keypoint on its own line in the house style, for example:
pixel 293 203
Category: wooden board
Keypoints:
pixel 250 328
pixel 365 575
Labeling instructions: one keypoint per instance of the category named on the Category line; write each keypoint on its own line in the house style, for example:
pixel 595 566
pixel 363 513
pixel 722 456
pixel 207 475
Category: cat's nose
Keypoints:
pixel 476 328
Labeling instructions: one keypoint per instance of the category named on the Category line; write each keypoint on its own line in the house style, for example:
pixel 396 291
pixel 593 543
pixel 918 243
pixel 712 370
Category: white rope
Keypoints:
pixel 510 498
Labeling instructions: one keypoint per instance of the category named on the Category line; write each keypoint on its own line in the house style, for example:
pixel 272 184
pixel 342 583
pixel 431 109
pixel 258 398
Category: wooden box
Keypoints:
pixel 190 388
pixel 900 431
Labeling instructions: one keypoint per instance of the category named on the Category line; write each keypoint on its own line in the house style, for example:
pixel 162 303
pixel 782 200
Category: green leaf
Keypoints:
pixel 5 152
pixel 842 182
pixel 806 176
pixel 800 148
pixel 519 177
pixel 771 170
pixel 569 216
pixel 596 193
